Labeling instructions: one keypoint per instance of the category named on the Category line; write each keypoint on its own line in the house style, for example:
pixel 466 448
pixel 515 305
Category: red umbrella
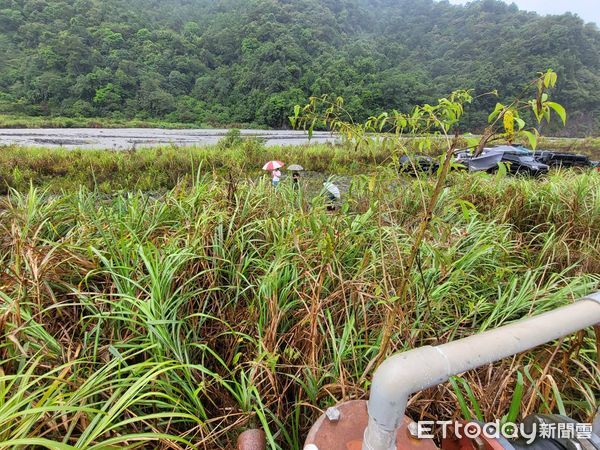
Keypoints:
pixel 273 165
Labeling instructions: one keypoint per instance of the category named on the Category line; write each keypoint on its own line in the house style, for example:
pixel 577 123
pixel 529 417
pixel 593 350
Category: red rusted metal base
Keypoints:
pixel 252 440
pixel 347 433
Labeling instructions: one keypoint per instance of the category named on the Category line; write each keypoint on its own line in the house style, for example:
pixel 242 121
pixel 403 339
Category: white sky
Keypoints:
pixel 588 10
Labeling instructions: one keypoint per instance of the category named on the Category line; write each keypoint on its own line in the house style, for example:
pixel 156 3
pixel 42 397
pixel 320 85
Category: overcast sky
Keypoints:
pixel 588 10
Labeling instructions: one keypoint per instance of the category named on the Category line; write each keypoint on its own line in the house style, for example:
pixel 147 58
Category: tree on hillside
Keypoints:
pixel 250 61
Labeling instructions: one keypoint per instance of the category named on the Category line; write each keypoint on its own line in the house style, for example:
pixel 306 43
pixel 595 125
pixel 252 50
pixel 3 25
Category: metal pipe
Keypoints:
pixel 405 373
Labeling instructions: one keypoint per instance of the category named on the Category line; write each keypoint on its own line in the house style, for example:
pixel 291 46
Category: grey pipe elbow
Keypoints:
pixel 405 373
pixel 400 376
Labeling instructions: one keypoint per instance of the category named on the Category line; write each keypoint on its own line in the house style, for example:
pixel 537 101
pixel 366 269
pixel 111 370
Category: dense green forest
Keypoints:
pixel 250 61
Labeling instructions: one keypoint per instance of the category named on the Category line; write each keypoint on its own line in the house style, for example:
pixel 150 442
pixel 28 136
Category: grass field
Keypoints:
pixel 589 146
pixel 16 121
pixel 170 298
pixel 157 169
pixel 161 168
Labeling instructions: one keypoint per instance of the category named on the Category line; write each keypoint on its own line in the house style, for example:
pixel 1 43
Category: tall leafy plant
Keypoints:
pixel 431 121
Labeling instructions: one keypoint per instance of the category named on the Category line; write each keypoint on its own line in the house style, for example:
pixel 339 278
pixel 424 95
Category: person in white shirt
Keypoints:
pixel 276 174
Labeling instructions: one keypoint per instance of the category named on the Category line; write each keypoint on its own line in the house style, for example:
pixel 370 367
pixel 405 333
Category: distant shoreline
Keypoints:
pixel 128 138
pixel 10 121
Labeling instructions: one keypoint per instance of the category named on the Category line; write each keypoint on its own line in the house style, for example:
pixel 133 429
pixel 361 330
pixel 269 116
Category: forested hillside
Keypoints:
pixel 249 61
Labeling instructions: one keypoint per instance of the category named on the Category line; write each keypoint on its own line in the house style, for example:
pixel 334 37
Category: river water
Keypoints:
pixel 127 138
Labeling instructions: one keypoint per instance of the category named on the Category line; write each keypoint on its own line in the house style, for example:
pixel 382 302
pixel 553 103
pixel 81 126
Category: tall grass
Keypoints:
pixel 176 320
pixel 162 168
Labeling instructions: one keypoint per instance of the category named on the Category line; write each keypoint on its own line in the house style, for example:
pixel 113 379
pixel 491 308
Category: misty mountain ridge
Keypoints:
pixel 250 61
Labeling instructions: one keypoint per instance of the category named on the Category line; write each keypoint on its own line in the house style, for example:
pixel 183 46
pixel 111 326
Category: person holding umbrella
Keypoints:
pixel 296 169
pixel 276 174
pixel 333 194
pixel 273 167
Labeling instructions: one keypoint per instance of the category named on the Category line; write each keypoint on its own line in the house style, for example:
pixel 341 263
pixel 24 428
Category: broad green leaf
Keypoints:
pixel 547 114
pixel 520 123
pixel 532 139
pixel 496 112
pixel 560 110
pixel 534 108
pixel 550 78
pixel 502 170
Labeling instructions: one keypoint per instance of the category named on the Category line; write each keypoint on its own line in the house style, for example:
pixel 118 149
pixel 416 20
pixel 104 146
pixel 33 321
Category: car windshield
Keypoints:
pixel 519 152
pixel 516 151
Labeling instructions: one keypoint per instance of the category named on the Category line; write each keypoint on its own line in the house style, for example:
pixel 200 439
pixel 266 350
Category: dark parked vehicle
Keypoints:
pixel 418 163
pixel 518 160
pixel 558 159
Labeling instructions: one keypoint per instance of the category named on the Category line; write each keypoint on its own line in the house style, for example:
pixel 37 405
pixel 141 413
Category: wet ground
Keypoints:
pixel 127 138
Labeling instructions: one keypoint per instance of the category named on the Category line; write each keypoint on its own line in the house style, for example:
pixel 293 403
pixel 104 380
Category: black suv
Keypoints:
pixel 519 160
pixel 557 159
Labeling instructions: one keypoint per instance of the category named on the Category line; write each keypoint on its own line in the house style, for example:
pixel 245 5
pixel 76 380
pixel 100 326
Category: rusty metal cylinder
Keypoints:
pixel 252 440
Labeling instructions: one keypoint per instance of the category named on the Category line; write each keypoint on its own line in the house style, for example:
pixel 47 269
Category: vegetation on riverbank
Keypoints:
pixel 178 320
pixel 160 169
pixel 21 121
